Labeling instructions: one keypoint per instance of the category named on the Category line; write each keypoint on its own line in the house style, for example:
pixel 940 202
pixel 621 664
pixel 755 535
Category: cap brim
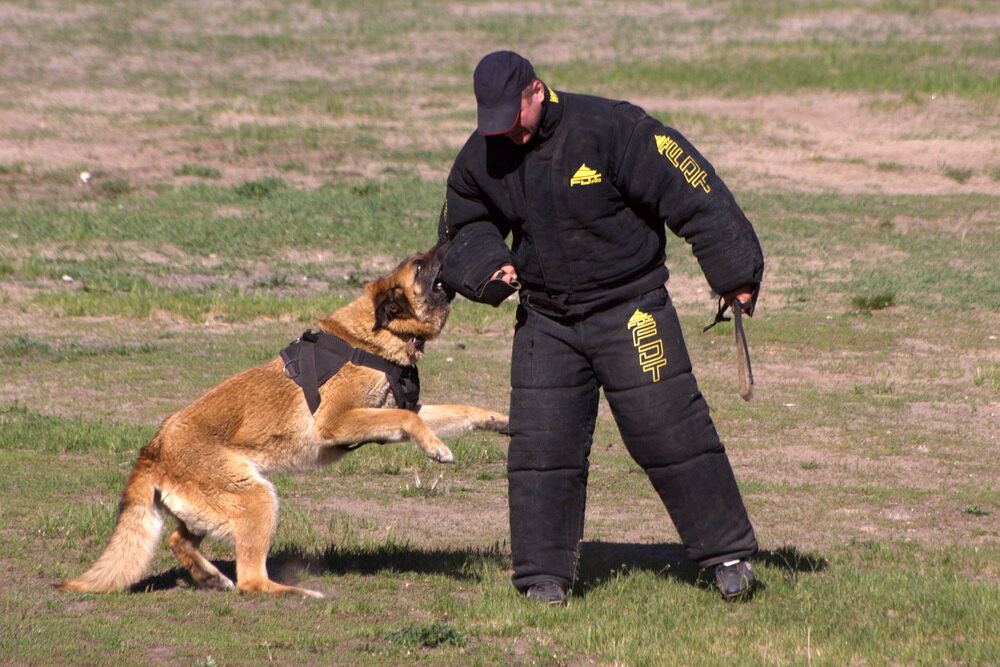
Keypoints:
pixel 500 118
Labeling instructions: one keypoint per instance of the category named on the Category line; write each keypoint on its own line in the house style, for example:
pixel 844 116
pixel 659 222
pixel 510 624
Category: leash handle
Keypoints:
pixel 744 368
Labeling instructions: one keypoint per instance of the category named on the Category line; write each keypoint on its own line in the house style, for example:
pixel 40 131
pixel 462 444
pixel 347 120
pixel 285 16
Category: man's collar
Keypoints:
pixel 552 110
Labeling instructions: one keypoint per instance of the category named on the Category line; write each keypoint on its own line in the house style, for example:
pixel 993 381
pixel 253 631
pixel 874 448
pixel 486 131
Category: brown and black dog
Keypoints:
pixel 207 462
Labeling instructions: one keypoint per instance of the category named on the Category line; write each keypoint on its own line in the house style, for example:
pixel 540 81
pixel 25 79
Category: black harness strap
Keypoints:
pixel 315 357
pixel 307 370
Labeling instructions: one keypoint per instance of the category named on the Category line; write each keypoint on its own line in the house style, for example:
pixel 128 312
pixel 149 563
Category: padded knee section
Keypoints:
pixel 665 422
pixel 551 428
pixel 547 478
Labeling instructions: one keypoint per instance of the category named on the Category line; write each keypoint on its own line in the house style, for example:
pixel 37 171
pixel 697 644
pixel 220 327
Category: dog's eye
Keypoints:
pixel 418 265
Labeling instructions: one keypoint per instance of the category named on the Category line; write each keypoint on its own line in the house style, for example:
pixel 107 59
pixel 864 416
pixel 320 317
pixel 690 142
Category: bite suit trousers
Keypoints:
pixel 636 352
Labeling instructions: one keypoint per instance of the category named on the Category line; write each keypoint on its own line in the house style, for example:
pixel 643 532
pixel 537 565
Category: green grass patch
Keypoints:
pixel 900 66
pixel 987 375
pixel 395 215
pixel 876 301
pixel 260 189
pixel 24 429
pixel 114 188
pixel 958 174
pixel 431 635
pixel 195 306
pixel 14 168
pixel 32 349
pixel 198 171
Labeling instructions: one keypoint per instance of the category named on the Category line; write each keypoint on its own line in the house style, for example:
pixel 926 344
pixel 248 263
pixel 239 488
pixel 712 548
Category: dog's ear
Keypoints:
pixel 390 304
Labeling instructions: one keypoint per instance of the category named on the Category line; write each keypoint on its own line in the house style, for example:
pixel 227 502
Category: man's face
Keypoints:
pixel 530 117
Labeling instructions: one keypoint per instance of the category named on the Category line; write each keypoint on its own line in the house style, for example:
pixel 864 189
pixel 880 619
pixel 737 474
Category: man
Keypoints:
pixel 585 186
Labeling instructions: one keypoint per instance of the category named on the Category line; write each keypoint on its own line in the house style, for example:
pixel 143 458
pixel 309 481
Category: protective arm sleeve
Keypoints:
pixel 476 243
pixel 662 175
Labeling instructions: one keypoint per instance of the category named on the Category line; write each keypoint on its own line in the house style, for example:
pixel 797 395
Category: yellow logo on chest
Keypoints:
pixel 585 176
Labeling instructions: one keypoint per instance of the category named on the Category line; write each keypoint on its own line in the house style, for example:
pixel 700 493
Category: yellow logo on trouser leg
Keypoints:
pixel 646 340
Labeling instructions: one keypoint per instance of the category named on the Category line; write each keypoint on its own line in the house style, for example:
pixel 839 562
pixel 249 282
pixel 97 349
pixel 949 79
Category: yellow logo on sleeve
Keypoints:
pixel 585 176
pixel 693 173
pixel 646 340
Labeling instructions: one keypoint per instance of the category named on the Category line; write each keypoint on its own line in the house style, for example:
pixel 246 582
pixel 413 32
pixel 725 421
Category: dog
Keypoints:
pixel 206 464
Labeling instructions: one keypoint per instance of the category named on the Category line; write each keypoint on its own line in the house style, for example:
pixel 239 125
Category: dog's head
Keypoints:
pixel 411 301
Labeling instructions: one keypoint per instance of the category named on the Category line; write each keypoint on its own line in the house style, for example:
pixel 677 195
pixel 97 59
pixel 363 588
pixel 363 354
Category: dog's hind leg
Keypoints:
pixel 252 528
pixel 185 545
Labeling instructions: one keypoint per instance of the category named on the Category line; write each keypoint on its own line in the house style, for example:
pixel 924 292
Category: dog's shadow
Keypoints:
pixel 287 565
pixel 600 562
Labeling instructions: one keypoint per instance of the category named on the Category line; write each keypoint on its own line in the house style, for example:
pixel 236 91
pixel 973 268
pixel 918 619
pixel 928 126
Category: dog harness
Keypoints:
pixel 315 357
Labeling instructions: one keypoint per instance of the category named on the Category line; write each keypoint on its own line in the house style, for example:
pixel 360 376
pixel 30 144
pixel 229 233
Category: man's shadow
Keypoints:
pixel 604 561
pixel 600 562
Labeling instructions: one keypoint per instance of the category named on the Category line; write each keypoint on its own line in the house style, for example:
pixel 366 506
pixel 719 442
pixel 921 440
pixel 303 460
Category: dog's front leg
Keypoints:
pixel 446 420
pixel 383 425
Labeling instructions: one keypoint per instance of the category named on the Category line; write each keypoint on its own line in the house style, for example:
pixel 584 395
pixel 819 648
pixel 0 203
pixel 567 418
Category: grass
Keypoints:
pixel 33 349
pixel 376 217
pixel 988 376
pixel 203 219
pixel 198 171
pixel 427 636
pixel 889 166
pixel 870 302
pixel 900 66
pixel 307 147
pixel 958 174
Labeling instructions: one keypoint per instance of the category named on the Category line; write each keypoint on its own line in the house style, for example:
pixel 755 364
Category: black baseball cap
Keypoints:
pixel 498 81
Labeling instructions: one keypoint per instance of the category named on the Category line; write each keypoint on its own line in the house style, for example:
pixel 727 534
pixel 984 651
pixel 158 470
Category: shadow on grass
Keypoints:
pixel 600 562
pixel 286 564
pixel 603 561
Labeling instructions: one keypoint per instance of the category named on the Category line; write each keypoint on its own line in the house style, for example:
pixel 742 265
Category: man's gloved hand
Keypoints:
pixel 501 285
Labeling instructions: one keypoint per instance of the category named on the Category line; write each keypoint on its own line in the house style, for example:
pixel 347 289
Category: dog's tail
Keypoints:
pixel 133 541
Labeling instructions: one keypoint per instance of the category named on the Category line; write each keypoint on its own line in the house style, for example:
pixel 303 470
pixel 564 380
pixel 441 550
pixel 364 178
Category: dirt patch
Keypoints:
pixel 848 144
pixel 818 143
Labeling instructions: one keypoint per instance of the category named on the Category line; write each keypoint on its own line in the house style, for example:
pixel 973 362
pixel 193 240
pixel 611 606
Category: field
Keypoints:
pixel 185 185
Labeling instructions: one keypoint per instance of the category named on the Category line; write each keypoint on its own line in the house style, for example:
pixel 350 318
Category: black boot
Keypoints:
pixel 735 579
pixel 547 591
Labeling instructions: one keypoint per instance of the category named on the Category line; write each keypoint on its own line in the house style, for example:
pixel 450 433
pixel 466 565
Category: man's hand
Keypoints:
pixel 500 285
pixel 743 295
pixel 506 273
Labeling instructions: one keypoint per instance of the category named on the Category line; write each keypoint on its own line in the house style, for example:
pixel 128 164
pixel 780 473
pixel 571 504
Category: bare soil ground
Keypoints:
pixel 819 143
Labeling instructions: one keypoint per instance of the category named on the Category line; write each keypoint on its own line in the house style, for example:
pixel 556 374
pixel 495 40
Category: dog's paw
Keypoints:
pixel 440 453
pixel 305 592
pixel 214 582
pixel 497 423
